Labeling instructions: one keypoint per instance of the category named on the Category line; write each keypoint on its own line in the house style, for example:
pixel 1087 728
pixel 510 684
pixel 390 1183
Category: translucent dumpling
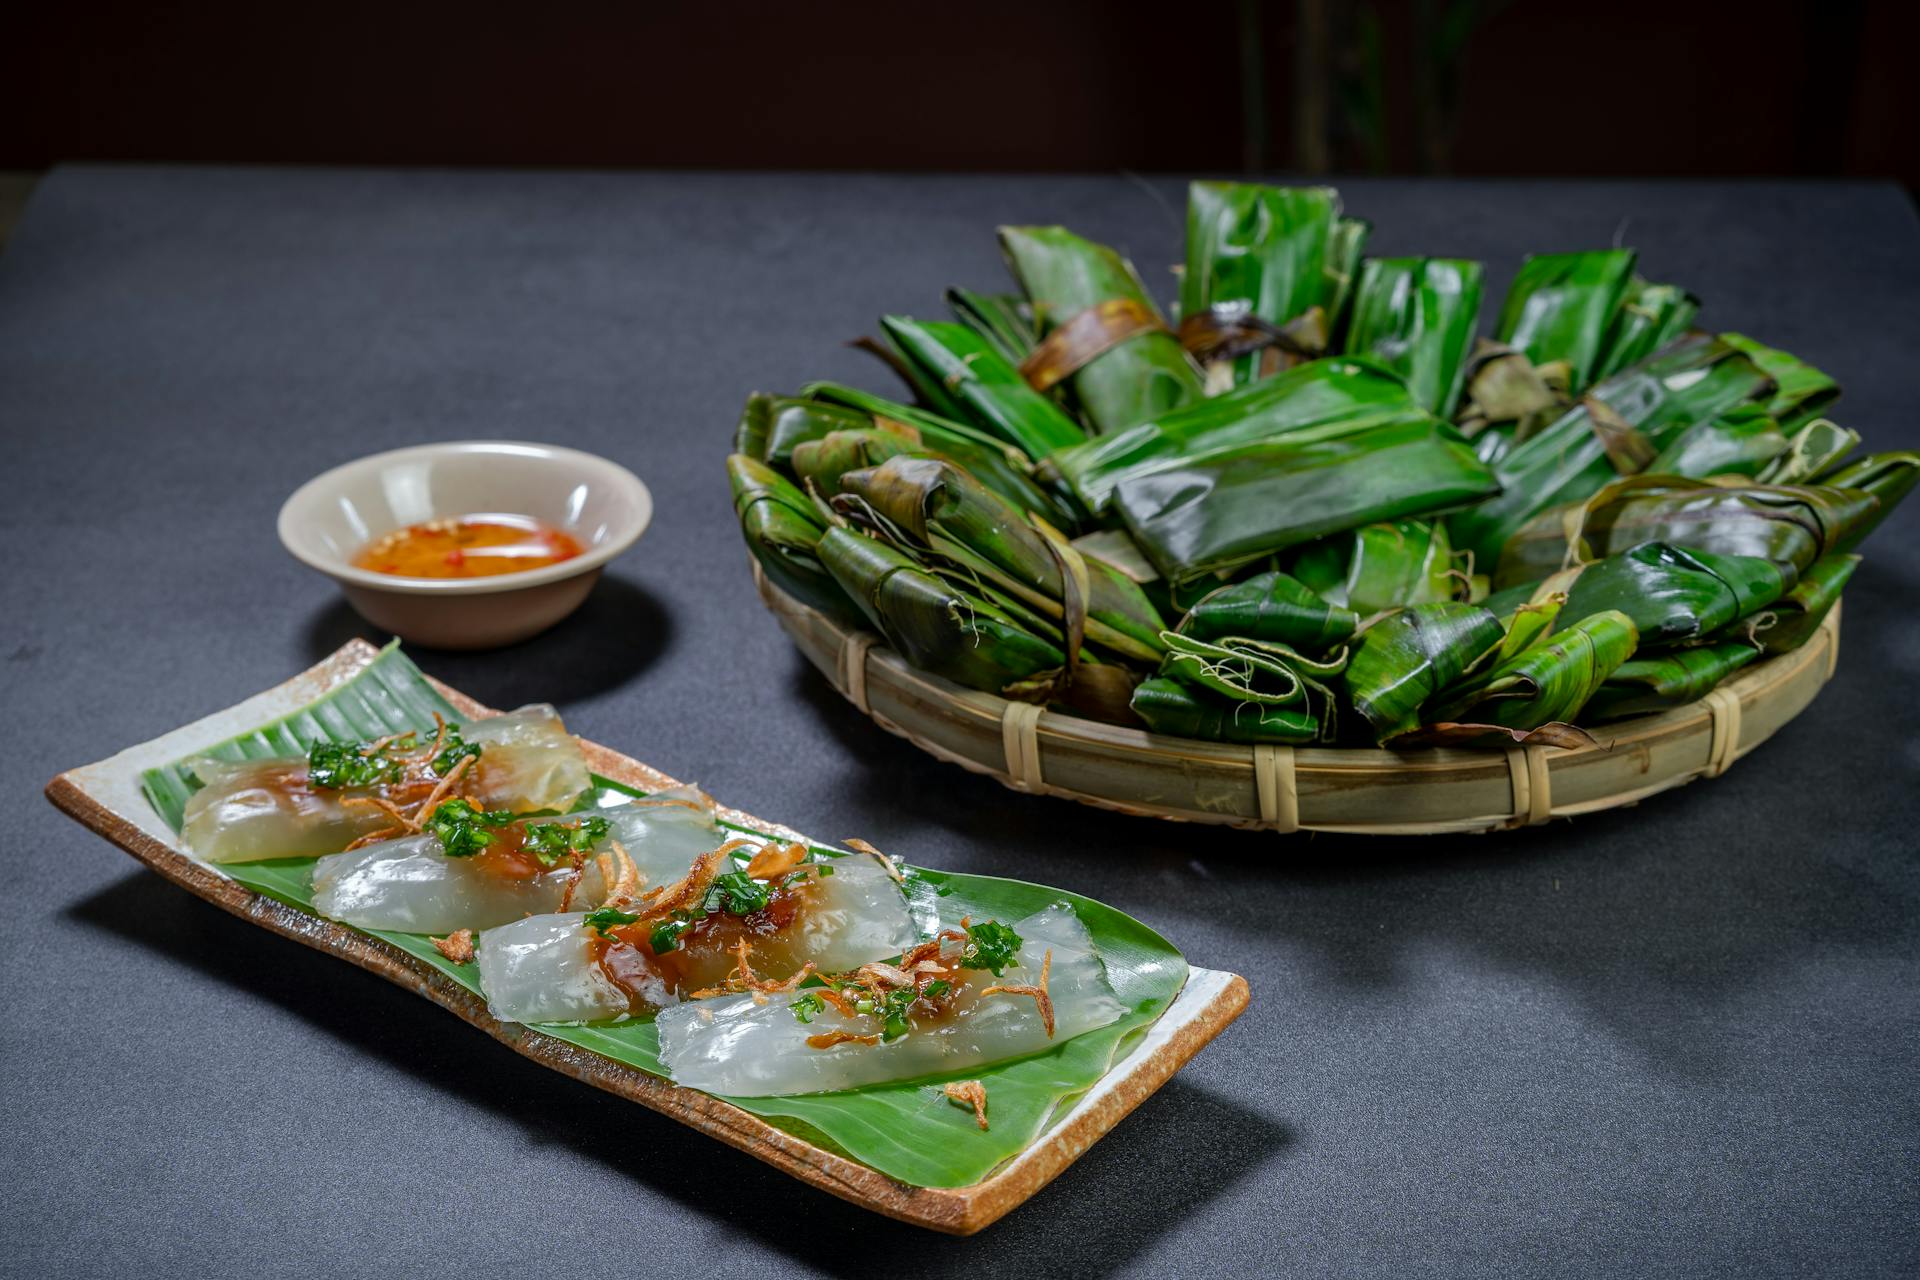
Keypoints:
pixel 757 1047
pixel 248 810
pixel 411 886
pixel 556 968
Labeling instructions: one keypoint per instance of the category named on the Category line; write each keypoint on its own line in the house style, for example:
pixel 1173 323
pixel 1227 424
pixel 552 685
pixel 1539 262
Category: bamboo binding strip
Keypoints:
pixel 1283 788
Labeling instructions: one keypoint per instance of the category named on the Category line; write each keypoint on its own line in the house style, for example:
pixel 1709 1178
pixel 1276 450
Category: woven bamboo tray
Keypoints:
pixel 1281 788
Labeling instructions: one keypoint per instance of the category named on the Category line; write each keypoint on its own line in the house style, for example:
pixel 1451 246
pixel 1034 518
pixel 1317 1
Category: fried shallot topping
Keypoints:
pixel 743 977
pixel 688 891
pixel 1039 993
pixel 411 817
pixel 456 946
pixel 776 860
pixel 969 1093
pixel 831 1038
pixel 861 846
pixel 619 874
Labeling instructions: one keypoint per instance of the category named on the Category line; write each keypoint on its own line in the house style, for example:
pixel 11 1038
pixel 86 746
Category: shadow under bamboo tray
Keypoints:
pixel 1281 788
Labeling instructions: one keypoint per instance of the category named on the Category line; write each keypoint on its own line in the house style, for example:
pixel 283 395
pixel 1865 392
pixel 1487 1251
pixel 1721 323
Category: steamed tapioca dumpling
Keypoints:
pixel 323 802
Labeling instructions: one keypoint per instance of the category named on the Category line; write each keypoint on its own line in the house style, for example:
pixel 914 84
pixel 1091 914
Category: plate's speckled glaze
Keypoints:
pixel 106 797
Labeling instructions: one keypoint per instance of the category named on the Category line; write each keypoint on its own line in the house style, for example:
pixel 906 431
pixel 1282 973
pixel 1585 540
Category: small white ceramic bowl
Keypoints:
pixel 332 517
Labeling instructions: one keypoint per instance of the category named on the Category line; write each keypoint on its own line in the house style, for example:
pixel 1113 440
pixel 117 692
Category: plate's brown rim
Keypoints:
pixel 956 1210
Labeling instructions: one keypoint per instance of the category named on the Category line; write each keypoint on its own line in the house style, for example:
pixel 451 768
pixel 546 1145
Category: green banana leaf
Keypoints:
pixel 1336 396
pixel 1003 319
pixel 1272 607
pixel 1063 275
pixel 1743 441
pixel 1815 448
pixel 1791 525
pixel 819 464
pixel 1561 307
pixel 782 529
pixel 772 427
pixel 1550 681
pixel 1799 613
pixel 1673 595
pixel 937 627
pixel 1889 477
pixel 1650 316
pixel 1181 710
pixel 1694 380
pixel 1262 252
pixel 1800 390
pixel 992 461
pixel 1404 661
pixel 1671 678
pixel 989 390
pixel 1345 253
pixel 1269 675
pixel 1220 510
pixel 903 1130
pixel 1416 316
pixel 941 510
pixel 929 392
pixel 1382 566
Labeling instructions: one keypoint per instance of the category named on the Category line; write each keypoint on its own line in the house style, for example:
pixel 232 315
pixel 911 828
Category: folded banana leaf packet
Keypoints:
pixel 1318 497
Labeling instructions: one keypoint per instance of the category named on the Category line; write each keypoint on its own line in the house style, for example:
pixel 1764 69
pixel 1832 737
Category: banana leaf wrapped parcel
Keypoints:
pixel 1329 508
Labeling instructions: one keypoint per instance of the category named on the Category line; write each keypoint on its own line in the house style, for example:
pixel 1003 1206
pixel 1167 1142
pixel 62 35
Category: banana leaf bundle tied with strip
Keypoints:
pixel 1320 504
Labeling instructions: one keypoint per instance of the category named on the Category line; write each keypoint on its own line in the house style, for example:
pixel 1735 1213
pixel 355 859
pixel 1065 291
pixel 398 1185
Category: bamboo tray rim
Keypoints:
pixel 105 797
pixel 861 663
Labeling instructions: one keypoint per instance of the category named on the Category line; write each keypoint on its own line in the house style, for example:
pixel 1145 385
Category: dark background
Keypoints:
pixel 1498 87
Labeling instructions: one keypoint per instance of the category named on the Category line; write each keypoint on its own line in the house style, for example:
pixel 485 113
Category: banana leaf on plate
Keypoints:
pixel 1139 368
pixel 1416 317
pixel 1889 477
pixel 1220 510
pixel 1800 391
pixel 1817 447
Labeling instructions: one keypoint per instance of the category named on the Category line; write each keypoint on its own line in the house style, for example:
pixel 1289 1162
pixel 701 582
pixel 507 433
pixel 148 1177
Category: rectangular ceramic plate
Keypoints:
pixel 106 797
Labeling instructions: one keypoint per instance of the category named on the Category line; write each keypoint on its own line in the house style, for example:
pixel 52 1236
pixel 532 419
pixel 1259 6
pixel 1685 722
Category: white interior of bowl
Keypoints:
pixel 330 518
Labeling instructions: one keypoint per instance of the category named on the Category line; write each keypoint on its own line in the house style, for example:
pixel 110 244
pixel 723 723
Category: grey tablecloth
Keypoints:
pixel 1675 1039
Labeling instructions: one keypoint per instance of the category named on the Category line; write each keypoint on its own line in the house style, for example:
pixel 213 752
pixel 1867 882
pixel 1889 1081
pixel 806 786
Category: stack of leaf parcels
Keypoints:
pixel 1318 507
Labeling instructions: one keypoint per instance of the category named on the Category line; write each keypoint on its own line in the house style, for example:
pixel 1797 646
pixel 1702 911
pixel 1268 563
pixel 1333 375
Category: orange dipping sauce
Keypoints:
pixel 479 546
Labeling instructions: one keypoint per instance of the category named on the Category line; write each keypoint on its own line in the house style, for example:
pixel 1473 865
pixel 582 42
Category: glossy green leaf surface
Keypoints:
pixel 1416 316
pixel 1887 477
pixel 1650 316
pixel 904 1130
pixel 1273 607
pixel 1792 619
pixel 1693 380
pixel 1551 680
pixel 1671 678
pixel 1317 400
pixel 1799 392
pixel 1063 275
pixel 1225 509
pixel 1259 250
pixel 1182 710
pixel 1404 661
pixel 1382 566
pixel 1743 441
pixel 1673 594
pixel 783 529
pixel 1003 319
pixel 1561 308
pixel 989 389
